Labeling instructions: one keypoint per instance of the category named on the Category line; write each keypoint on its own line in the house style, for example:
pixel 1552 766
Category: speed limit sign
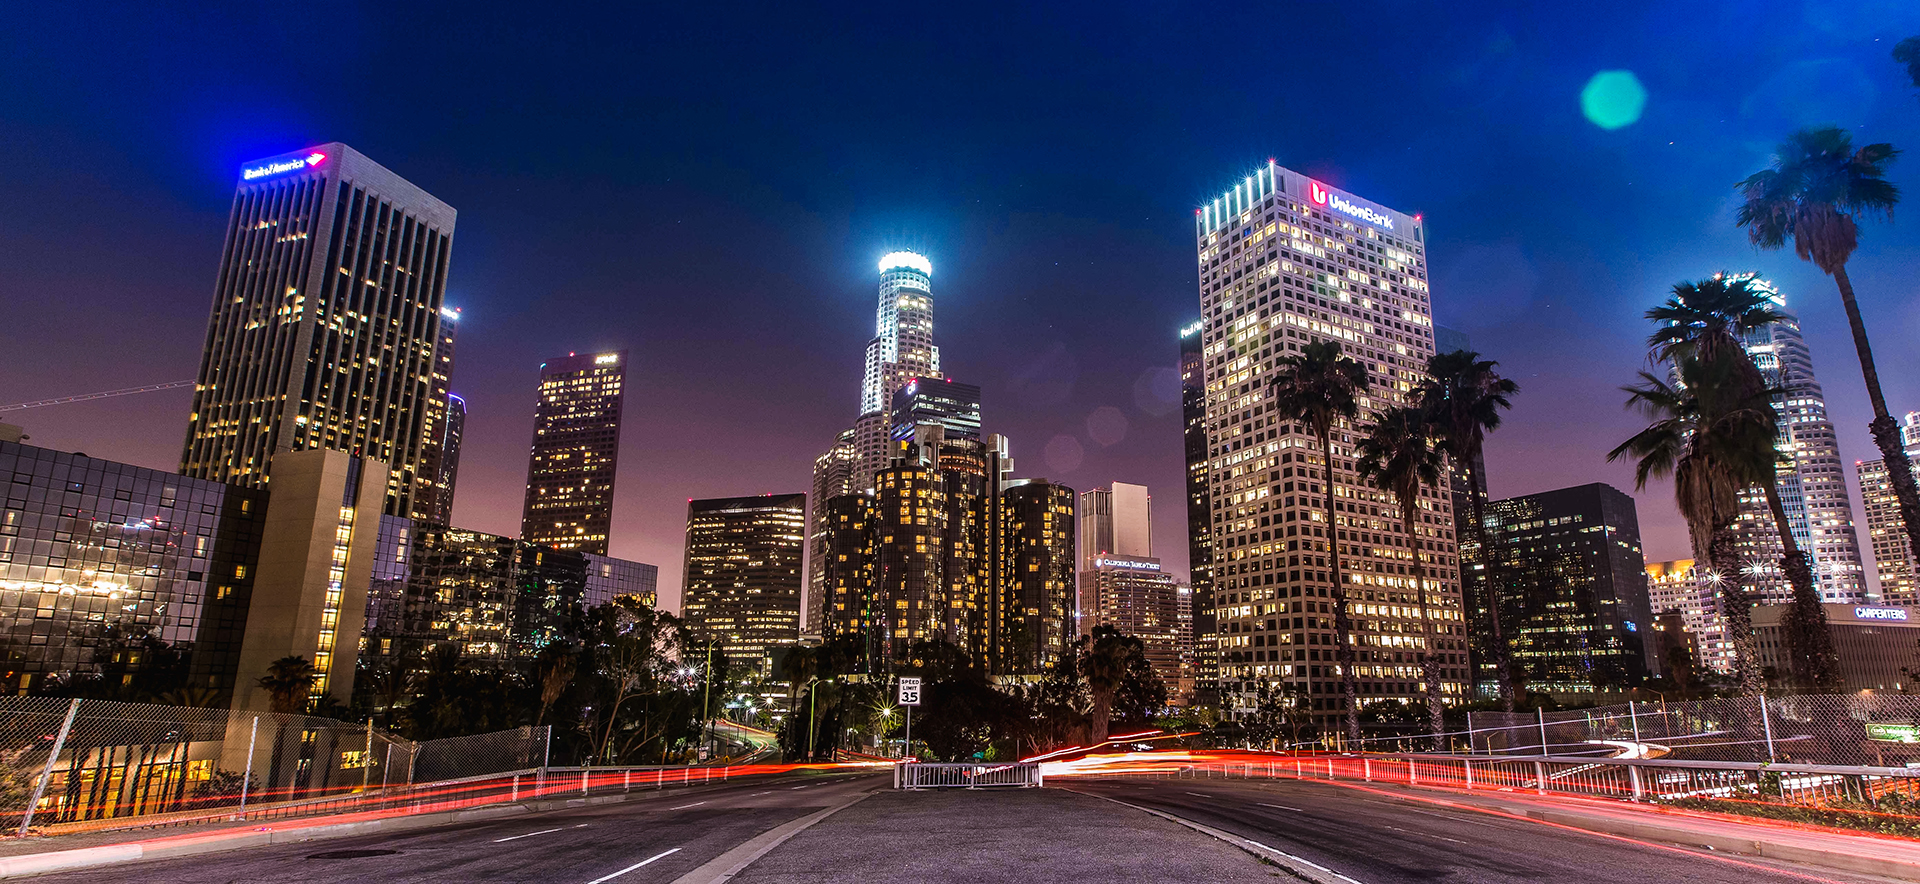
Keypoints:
pixel 909 691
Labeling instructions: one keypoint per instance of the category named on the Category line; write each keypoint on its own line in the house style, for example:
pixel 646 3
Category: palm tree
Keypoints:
pixel 1907 52
pixel 1708 451
pixel 288 682
pixel 1319 387
pixel 1464 395
pixel 1817 185
pixel 1399 457
pixel 1704 321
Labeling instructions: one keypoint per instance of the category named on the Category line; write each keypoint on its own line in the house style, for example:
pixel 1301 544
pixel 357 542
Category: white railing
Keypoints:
pixel 1630 779
pixel 920 775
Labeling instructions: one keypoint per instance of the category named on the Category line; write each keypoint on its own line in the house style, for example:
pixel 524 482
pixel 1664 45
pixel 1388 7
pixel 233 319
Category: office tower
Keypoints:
pixel 1183 637
pixel 87 544
pixel 326 315
pixel 1201 639
pixel 440 436
pixel 909 523
pixel 1036 564
pixel 493 598
pixel 972 507
pixel 1112 521
pixel 1893 556
pixel 1285 261
pixel 1573 588
pixel 743 577
pixel 844 555
pixel 316 564
pixel 1132 595
pixel 1873 647
pixel 902 348
pixel 1679 587
pixel 1813 489
pixel 576 444
pixel 832 477
pixel 455 423
pixel 942 402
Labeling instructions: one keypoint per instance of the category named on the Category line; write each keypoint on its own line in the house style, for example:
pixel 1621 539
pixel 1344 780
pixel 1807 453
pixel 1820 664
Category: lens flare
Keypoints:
pixel 1613 99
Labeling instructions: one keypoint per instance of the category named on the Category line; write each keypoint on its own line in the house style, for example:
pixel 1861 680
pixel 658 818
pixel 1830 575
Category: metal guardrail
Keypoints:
pixel 1626 779
pixel 445 795
pixel 923 775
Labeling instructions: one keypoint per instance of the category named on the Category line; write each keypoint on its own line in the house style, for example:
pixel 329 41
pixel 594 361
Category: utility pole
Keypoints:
pixel 706 698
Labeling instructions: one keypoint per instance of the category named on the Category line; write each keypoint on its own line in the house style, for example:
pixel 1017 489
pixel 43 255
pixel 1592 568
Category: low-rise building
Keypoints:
pixel 1876 644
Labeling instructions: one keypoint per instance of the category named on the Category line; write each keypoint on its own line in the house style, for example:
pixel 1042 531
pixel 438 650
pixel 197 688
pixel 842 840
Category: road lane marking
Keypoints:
pixel 1452 818
pixel 1426 834
pixel 758 794
pixel 630 868
pixel 1281 806
pixel 685 806
pixel 1305 862
pixel 800 787
pixel 527 835
pixel 1201 794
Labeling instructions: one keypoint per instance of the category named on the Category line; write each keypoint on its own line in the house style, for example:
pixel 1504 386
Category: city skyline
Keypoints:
pixel 1061 352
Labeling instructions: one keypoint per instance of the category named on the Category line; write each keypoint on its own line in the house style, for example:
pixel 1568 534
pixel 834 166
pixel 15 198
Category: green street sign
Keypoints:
pixel 1893 733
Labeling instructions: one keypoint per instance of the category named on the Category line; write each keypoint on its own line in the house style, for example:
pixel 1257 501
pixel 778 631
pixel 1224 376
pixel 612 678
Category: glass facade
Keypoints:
pixel 743 574
pixel 1573 588
pixel 96 554
pixel 493 597
pixel 576 447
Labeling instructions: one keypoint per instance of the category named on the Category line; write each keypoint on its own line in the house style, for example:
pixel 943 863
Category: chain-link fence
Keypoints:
pixel 1867 728
pixel 69 765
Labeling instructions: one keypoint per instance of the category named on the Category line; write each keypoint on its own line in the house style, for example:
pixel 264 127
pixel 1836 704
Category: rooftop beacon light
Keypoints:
pixel 908 260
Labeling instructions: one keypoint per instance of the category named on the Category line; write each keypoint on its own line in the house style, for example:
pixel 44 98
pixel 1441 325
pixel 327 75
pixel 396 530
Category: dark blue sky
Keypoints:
pixel 711 189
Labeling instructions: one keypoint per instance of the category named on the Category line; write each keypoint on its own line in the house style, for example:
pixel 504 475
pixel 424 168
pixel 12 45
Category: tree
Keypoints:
pixel 1706 447
pixel 288 682
pixel 1463 395
pixel 1319 387
pixel 1399 457
pixel 1816 187
pixel 1705 321
pixel 1907 52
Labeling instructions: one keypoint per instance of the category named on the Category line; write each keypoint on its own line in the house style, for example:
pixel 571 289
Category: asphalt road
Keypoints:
pixel 1381 839
pixel 653 839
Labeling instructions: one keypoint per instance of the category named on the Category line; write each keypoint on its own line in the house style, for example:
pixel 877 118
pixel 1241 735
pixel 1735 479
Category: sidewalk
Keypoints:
pixel 1872 854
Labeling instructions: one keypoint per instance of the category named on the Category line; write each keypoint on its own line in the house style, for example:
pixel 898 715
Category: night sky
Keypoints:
pixel 710 190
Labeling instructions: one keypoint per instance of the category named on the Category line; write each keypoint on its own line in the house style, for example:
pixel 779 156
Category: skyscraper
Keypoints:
pixel 1112 522
pixel 326 315
pixel 832 478
pixel 1201 633
pixel 953 406
pixel 440 448
pixel 1893 556
pixel 902 348
pixel 743 577
pixel 1678 587
pixel 1285 261
pixel 1036 563
pixel 1573 588
pixel 576 444
pixel 901 352
pixel 1813 488
pixel 1133 595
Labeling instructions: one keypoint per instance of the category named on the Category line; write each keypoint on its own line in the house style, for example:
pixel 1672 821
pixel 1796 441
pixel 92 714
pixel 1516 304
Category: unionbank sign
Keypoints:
pixel 282 166
pixel 1322 196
